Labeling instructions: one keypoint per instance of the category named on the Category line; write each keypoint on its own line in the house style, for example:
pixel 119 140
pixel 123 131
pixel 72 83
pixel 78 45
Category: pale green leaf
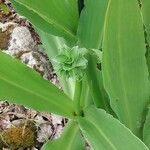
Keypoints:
pixel 52 44
pixel 146 130
pixel 104 132
pixel 71 139
pixel 124 68
pixel 19 84
pixel 91 23
pixel 58 17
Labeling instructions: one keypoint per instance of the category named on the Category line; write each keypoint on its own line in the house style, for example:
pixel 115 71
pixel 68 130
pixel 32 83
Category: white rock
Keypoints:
pixel 21 40
pixel 28 59
pixel 39 62
pixel 59 131
pixel 56 119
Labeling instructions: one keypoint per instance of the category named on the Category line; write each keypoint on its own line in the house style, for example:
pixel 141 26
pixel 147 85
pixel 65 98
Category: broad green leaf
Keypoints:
pixel 71 139
pixel 19 84
pixel 146 130
pixel 90 36
pixel 124 68
pixel 146 20
pixel 53 45
pixel 91 23
pixel 104 132
pixel 58 17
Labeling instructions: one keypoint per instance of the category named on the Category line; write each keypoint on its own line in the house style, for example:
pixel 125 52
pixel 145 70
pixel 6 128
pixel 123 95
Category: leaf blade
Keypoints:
pixel 91 23
pixel 51 16
pixel 105 132
pixel 124 68
pixel 24 86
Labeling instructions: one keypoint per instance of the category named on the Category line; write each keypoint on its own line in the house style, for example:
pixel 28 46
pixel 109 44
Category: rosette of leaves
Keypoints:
pixel 71 62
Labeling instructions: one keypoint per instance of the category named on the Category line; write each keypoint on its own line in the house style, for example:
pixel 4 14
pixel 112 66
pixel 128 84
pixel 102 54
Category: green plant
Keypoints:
pixel 109 104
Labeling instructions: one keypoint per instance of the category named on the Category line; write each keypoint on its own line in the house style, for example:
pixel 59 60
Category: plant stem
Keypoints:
pixel 95 82
pixel 85 98
pixel 68 86
pixel 77 95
